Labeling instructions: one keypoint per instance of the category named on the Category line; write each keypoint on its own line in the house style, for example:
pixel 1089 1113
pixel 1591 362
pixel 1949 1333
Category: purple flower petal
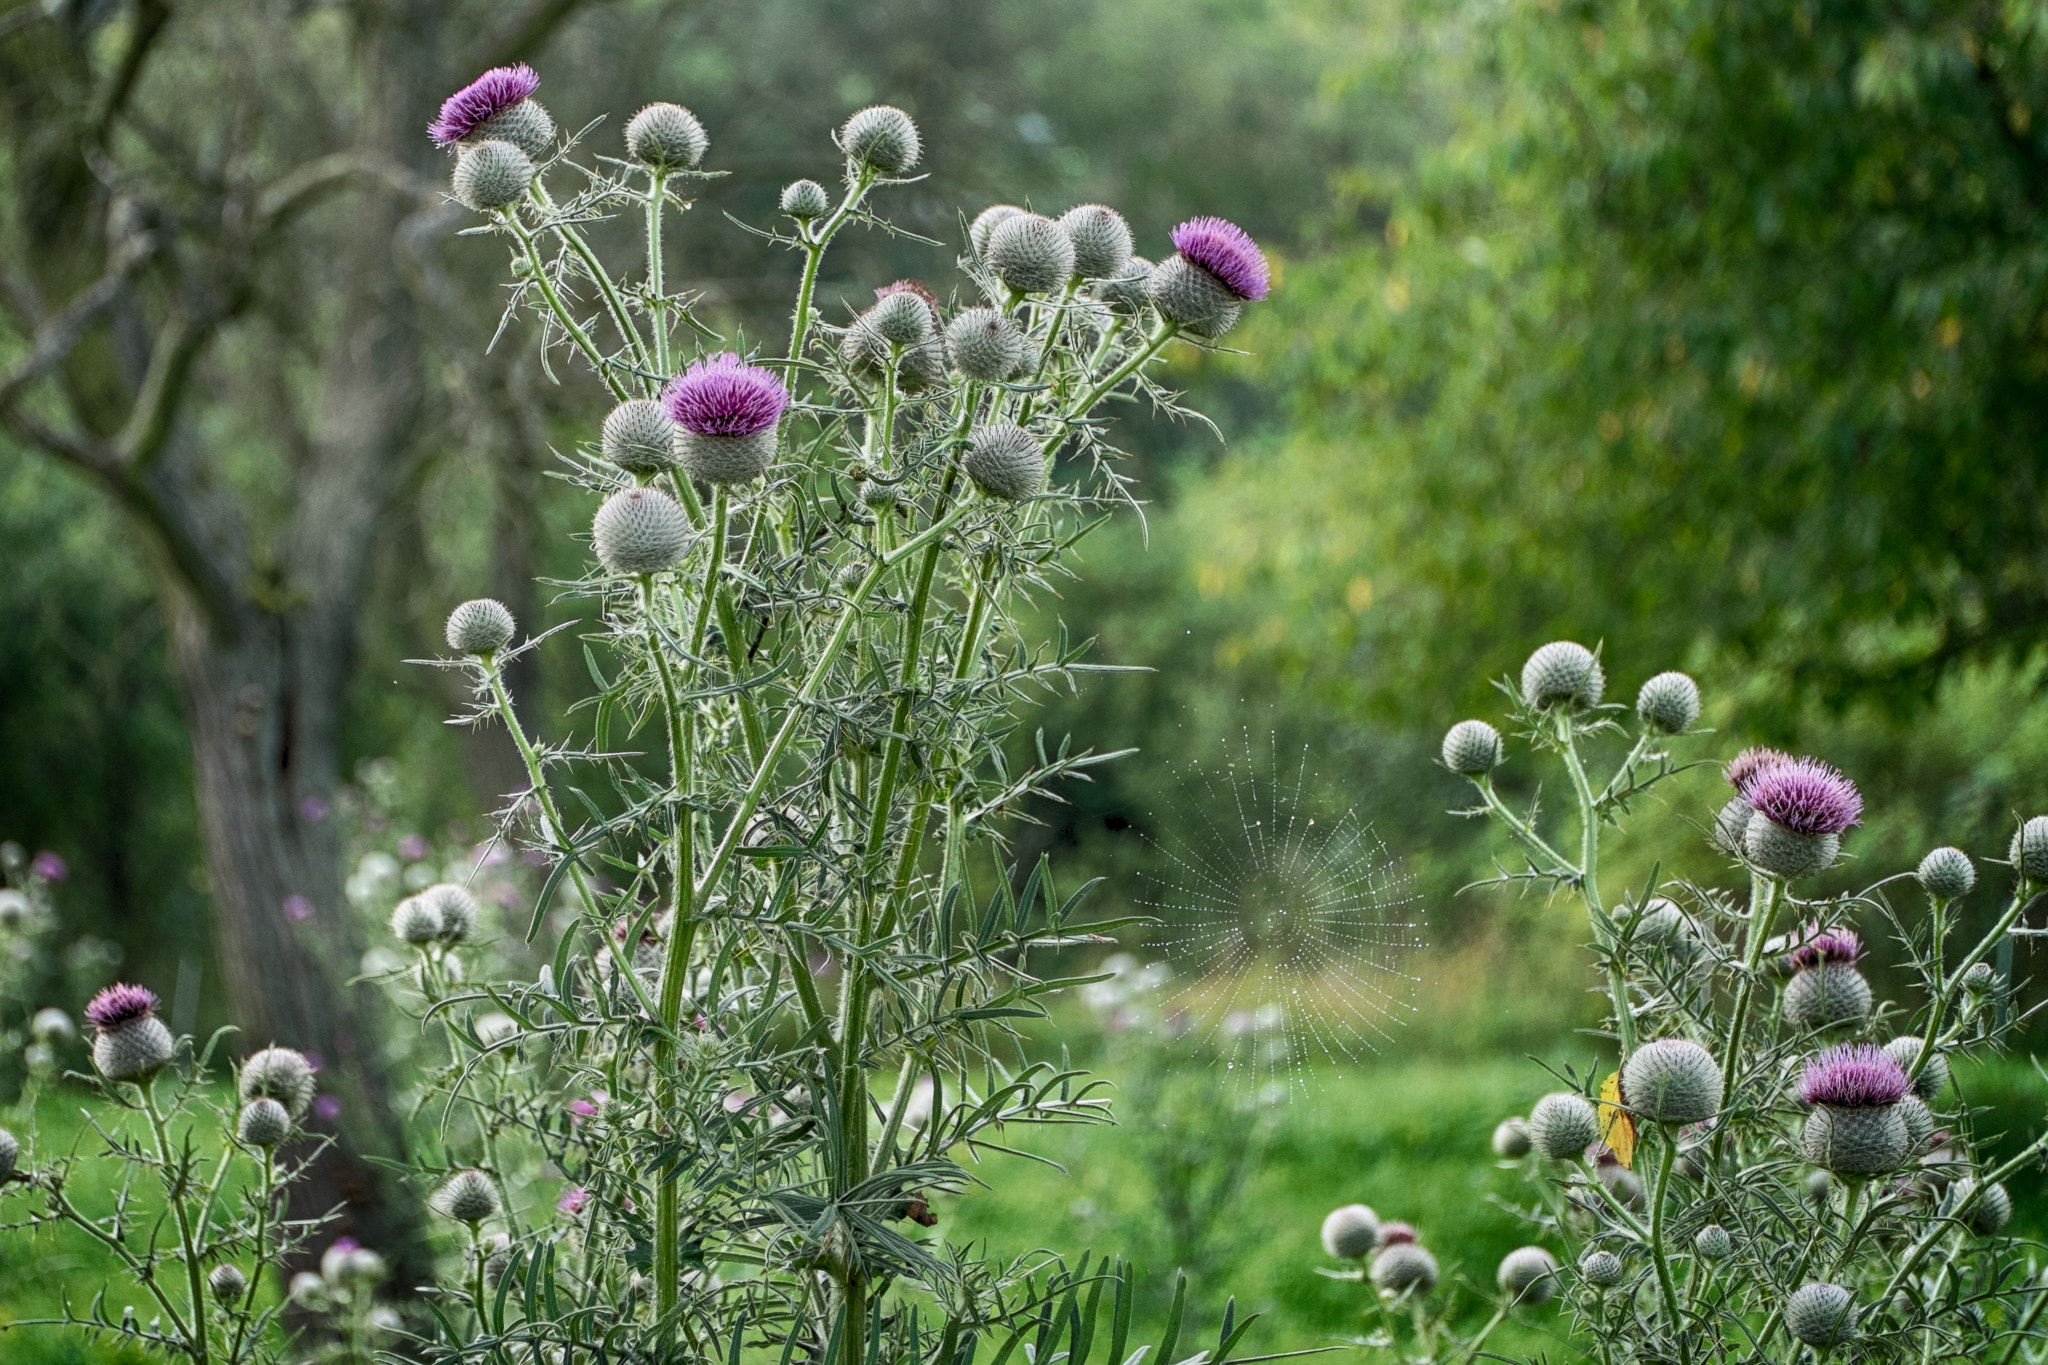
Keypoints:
pixel 120 1004
pixel 313 810
pixel 412 848
pixel 327 1107
pixel 297 908
pixel 1855 1076
pixel 1804 795
pixel 1824 945
pixel 1226 251
pixel 1746 765
pixel 483 99
pixel 722 395
pixel 572 1201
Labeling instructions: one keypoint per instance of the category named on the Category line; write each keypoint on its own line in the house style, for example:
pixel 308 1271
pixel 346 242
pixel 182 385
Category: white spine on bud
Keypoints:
pixel 1562 673
pixel 986 222
pixel 1672 1080
pixel 1190 297
pixel 882 137
pixel 526 125
pixel 1528 1275
pixel 481 626
pixel 666 137
pixel 726 459
pixel 133 1051
pixel 492 175
pixel 1350 1232
pixel 1030 253
pixel 901 318
pixel 1933 1077
pixel 227 1284
pixel 414 921
pixel 468 1197
pixel 2029 851
pixel 1511 1139
pixel 639 437
pixel 1669 702
pixel 1712 1243
pixel 1101 238
pixel 281 1074
pixel 1563 1125
pixel 1785 852
pixel 804 200
pixel 1865 1140
pixel 1947 872
pixel 1827 994
pixel 1472 748
pixel 1601 1269
pixel 640 531
pixel 263 1123
pixel 1005 462
pixel 985 345
pixel 1820 1314
pixel 1404 1266
pixel 454 907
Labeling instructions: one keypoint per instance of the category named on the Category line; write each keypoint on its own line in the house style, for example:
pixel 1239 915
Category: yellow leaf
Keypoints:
pixel 1617 1127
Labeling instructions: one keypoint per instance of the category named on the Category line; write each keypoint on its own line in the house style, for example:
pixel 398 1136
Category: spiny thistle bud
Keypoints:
pixel 1804 806
pixel 52 1025
pixel 492 175
pixel 1511 1138
pixel 666 137
pixel 1669 702
pixel 2029 851
pixel 986 222
pixel 882 137
pixel 1190 297
pixel 10 1155
pixel 132 1044
pixel 727 411
pixel 1005 462
pixel 1712 1243
pixel 985 345
pixel 1990 1212
pixel 482 625
pixel 454 907
pixel 639 437
pixel 1226 253
pixel 1947 872
pixel 1528 1275
pixel 639 531
pixel 279 1073
pixel 468 1197
pixel 264 1123
pixel 1102 240
pixel 1827 995
pixel 1855 1127
pixel 1563 1125
pixel 804 200
pixel 1817 1186
pixel 1980 978
pixel 1664 923
pixel 414 921
pixel 1562 673
pixel 1919 1121
pixel 348 1263
pixel 1351 1232
pixel 498 104
pixel 1601 1269
pixel 1030 253
pixel 1819 1314
pixel 1933 1077
pixel 227 1284
pixel 1731 824
pixel 1672 1080
pixel 1472 748
pixel 526 125
pixel 1403 1267
pixel 902 318
pixel 1127 293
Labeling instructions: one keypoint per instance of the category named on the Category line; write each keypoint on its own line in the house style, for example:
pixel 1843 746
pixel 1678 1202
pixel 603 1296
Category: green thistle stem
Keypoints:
pixel 195 1281
pixel 559 309
pixel 1668 1154
pixel 814 253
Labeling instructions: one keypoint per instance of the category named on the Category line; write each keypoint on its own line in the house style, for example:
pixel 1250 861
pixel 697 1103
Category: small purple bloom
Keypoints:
pixel 1804 795
pixel 412 848
pixel 120 1004
pixel 572 1201
pixel 297 908
pixel 722 395
pixel 1853 1076
pixel 1825 945
pixel 580 1110
pixel 327 1107
pixel 482 100
pixel 313 810
pixel 1744 767
pixel 1226 251
pixel 1396 1234
pixel 315 1063
pixel 916 287
pixel 344 1244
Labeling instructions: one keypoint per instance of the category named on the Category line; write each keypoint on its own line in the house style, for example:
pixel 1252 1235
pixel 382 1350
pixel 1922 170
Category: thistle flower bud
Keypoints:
pixel 1403 1267
pixel 1563 1125
pixel 526 125
pixel 639 437
pixel 1127 293
pixel 985 345
pixel 804 200
pixel 497 105
pixel 882 137
pixel 1784 852
pixel 986 222
pixel 263 1123
pixel 131 1043
pixel 492 175
pixel 1990 1213
pixel 414 921
pixel 1350 1232
pixel 456 909
pixel 1980 978
pixel 1919 1121
pixel 902 318
pixel 52 1025
pixel 1101 238
pixel 1472 748
pixel 1562 673
pixel 1826 995
pixel 1511 1138
pixel 1190 297
pixel 1601 1269
pixel 227 1284
pixel 1528 1275
pixel 1670 703
pixel 468 1197
pixel 1947 872
pixel 1865 1141
pixel 349 1265
pixel 1933 1077
pixel 1662 922
pixel 727 412
pixel 1030 253
pixel 1712 1243
pixel 666 137
pixel 480 626
pixel 639 531
pixel 1005 462
pixel 2029 852
pixel 10 1155
pixel 1672 1080
pixel 14 908
pixel 1820 1314
pixel 281 1074
pixel 1817 1186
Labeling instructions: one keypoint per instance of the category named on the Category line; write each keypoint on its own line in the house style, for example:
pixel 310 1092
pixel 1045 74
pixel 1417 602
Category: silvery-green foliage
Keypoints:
pixel 1805 1175
pixel 783 953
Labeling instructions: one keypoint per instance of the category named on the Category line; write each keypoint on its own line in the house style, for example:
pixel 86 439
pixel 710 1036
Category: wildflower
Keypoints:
pixel 1511 1138
pixel 492 175
pixel 1005 462
pixel 639 437
pixel 1215 269
pixel 984 345
pixel 1669 703
pixel 1101 238
pixel 454 908
pixel 1933 1077
pixel 1563 1125
pixel 414 921
pixel 1030 253
pixel 882 137
pixel 1801 808
pixel 498 104
pixel 1226 253
pixel 467 1197
pixel 1472 748
pixel 639 531
pixel 1562 673
pixel 573 1200
pixel 1826 989
pixel 132 1044
pixel 1528 1275
pixel 281 1074
pixel 52 1026
pixel 726 411
pixel 227 1284
pixel 263 1123
pixel 1402 1267
pixel 1672 1080
pixel 2029 851
pixel 804 200
pixel 1855 1127
pixel 1820 1314
pixel 1947 872
pixel 986 222
pixel 1712 1243
pixel 666 137
pixel 480 627
pixel 1351 1232
pixel 1601 1269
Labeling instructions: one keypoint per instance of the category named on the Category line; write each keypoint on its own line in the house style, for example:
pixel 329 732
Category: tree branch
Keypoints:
pixel 56 336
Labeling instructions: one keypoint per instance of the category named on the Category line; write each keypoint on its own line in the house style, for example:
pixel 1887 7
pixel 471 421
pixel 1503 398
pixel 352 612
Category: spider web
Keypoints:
pixel 1286 924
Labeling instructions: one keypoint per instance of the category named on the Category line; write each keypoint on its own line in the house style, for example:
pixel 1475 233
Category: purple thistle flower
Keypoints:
pixel 1804 795
pixel 1824 945
pixel 1395 1234
pixel 1744 767
pixel 120 1004
pixel 1853 1076
pixel 722 395
pixel 916 287
pixel 572 1201
pixel 1226 251
pixel 483 99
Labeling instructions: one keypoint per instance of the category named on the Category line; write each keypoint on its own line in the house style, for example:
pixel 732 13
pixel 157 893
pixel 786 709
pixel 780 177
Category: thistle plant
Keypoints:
pixel 785 954
pixel 1780 1167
